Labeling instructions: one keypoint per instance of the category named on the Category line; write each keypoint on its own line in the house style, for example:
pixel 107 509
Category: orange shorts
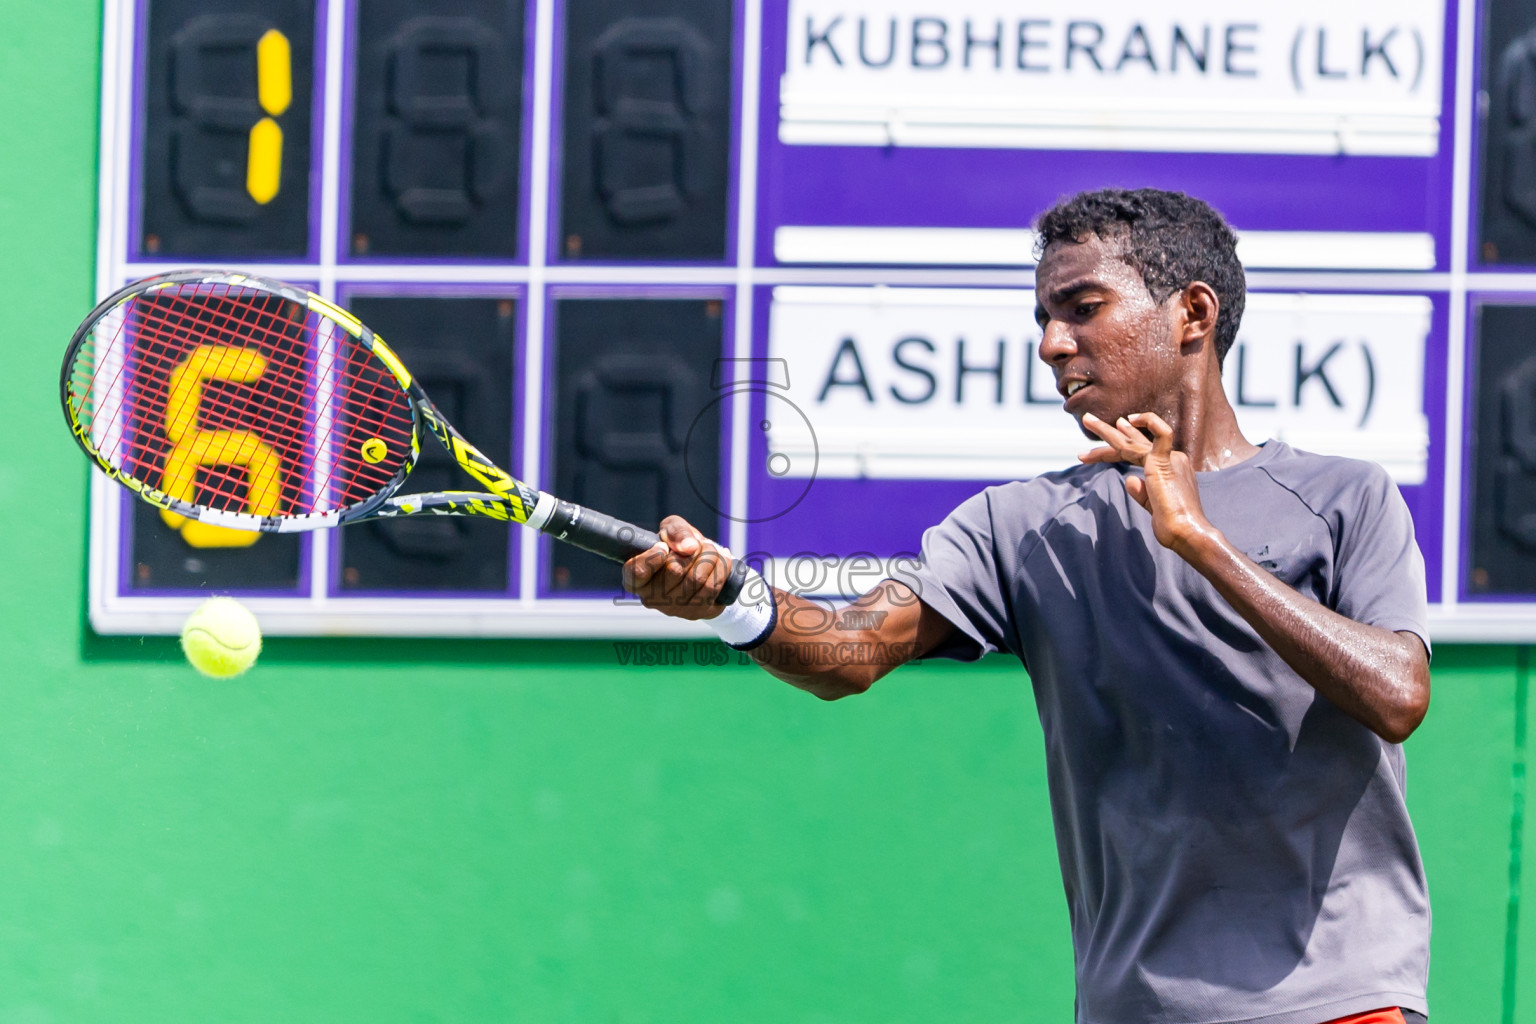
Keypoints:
pixel 1388 1015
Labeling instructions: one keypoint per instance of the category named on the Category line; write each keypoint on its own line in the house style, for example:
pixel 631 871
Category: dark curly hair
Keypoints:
pixel 1170 238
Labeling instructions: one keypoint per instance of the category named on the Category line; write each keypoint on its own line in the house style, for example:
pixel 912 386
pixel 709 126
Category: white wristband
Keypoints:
pixel 748 621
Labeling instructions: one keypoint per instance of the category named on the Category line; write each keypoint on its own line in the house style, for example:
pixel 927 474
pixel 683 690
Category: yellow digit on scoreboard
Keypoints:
pixel 274 90
pixel 194 447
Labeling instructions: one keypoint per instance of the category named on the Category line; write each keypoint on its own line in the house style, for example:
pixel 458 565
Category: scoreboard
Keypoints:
pixel 767 264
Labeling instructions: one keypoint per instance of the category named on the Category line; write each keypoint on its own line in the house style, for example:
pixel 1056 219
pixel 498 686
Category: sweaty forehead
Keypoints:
pixel 1092 261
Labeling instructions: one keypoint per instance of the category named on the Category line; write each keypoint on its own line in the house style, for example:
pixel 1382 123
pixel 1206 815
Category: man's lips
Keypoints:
pixel 1073 390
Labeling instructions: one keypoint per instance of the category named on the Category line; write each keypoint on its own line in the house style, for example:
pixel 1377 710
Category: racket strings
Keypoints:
pixel 369 396
pixel 191 414
pixel 375 402
pixel 309 422
pixel 197 413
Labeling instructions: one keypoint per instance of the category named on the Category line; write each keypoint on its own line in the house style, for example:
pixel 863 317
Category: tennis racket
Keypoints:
pixel 237 402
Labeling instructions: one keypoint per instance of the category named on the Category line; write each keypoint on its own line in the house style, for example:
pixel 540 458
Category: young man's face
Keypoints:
pixel 1113 348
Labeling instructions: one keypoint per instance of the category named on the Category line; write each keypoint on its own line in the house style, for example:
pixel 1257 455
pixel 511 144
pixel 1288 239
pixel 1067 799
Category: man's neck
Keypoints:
pixel 1206 428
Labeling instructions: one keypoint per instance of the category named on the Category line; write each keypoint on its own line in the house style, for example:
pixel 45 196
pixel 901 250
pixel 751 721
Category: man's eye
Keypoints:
pixel 1087 309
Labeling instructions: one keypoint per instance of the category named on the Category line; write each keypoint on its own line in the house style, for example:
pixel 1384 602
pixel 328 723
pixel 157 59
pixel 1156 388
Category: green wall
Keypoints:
pixel 420 831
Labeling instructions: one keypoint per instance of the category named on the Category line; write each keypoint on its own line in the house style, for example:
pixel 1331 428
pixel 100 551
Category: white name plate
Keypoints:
pixel 1226 76
pixel 945 384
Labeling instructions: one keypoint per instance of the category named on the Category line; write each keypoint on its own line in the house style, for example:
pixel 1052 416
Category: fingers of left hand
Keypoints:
pixel 1137 488
pixel 1162 433
pixel 1103 453
pixel 1128 442
pixel 1107 431
pixel 1132 437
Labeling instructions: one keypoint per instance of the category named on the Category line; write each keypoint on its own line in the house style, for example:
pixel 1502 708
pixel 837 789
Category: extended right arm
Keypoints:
pixel 835 654
pixel 827 652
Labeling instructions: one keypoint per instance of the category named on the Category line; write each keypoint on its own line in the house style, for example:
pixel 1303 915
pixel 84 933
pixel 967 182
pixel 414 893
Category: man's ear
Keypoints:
pixel 1200 307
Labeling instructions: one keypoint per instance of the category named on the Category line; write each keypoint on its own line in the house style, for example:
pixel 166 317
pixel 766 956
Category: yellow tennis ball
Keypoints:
pixel 221 639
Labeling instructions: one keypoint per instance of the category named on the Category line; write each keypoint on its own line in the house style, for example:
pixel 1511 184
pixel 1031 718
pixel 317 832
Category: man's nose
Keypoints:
pixel 1057 344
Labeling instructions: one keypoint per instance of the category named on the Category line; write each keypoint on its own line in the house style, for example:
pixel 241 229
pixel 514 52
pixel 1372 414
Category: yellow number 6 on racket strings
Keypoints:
pixel 238 402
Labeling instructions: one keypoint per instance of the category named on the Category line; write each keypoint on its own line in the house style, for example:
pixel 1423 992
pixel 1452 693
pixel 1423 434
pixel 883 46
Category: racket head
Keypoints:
pixel 240 401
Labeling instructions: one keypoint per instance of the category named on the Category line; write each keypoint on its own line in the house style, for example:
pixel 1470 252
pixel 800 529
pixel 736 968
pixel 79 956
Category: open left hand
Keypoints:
pixel 1167 488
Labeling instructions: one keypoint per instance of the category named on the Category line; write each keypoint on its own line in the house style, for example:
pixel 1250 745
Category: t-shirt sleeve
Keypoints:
pixel 958 576
pixel 1379 568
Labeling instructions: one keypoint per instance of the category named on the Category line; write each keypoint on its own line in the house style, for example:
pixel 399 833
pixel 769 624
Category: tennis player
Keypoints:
pixel 1227 644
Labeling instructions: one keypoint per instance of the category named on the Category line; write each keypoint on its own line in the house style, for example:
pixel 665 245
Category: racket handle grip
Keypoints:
pixel 618 541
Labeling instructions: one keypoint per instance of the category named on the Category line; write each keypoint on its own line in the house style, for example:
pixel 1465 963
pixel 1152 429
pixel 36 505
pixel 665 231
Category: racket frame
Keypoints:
pixel 384 502
pixel 506 499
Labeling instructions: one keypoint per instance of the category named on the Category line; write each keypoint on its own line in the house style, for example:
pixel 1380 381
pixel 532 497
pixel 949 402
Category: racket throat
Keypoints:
pixel 542 511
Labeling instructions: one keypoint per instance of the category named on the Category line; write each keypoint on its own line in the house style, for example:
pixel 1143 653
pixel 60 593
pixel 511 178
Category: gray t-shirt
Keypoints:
pixel 1234 847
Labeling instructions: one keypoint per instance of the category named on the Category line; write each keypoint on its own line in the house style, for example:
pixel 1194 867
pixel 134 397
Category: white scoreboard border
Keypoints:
pixel 525 615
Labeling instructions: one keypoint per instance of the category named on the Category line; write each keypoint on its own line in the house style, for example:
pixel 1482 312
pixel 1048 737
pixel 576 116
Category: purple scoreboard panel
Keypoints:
pixel 768 264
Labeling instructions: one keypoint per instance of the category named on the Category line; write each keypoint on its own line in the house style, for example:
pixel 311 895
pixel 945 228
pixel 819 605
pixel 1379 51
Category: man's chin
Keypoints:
pixel 1106 417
